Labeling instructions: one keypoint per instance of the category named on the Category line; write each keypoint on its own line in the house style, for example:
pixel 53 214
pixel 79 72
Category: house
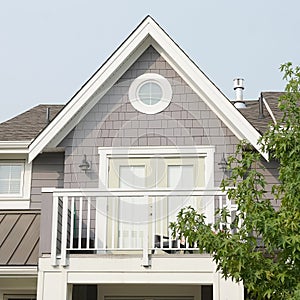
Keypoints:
pixel 88 189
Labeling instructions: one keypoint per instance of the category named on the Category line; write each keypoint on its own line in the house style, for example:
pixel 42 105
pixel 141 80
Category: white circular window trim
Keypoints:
pixel 139 105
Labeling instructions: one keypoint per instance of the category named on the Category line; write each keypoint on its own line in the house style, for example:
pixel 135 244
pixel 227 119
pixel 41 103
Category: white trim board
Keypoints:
pixel 21 201
pixel 146 34
pixel 165 151
pixel 14 147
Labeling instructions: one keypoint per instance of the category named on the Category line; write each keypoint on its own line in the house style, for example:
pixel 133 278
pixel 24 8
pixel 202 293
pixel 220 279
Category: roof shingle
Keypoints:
pixel 251 112
pixel 29 124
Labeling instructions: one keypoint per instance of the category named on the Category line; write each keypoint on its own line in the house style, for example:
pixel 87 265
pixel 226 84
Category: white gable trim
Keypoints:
pixel 147 33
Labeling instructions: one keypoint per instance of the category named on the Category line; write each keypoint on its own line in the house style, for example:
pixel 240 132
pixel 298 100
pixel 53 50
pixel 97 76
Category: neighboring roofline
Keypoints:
pixel 12 147
pixel 146 34
pixel 269 109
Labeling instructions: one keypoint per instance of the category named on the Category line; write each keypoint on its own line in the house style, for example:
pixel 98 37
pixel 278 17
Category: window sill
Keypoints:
pixel 14 203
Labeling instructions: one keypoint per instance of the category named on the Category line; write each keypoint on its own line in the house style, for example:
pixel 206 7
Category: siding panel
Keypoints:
pixel 19 245
pixel 27 243
pixel 271 173
pixel 1 218
pixel 47 171
pixel 6 226
pixel 19 229
pixel 32 259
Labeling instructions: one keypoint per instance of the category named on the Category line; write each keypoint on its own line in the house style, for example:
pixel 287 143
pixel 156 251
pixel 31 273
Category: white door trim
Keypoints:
pixel 124 152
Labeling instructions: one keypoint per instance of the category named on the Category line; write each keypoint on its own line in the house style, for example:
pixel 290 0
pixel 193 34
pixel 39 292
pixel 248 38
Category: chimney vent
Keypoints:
pixel 48 115
pixel 261 108
pixel 238 86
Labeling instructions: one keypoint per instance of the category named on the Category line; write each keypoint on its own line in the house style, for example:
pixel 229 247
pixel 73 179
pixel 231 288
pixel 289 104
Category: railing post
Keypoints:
pixel 54 231
pixel 101 216
pixel 64 231
pixel 145 259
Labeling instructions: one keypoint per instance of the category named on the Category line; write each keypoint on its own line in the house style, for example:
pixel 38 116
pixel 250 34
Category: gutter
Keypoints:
pixel 14 147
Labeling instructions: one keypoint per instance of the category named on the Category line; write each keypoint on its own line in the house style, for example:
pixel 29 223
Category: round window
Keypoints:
pixel 150 93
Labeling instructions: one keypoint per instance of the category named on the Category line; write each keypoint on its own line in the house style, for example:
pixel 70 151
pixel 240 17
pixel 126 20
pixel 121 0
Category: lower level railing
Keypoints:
pixel 125 221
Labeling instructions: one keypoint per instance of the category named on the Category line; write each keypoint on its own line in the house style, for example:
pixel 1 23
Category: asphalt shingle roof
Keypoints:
pixel 29 124
pixel 251 112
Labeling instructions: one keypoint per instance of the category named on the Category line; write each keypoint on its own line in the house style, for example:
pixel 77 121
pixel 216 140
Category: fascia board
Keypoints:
pixel 80 99
pixel 207 91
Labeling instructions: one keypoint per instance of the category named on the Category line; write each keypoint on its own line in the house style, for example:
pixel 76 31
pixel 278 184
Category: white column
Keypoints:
pixel 54 231
pixel 216 286
pixel 230 290
pixel 53 285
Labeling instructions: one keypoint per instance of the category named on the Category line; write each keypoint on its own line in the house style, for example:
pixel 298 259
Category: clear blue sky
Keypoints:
pixel 50 48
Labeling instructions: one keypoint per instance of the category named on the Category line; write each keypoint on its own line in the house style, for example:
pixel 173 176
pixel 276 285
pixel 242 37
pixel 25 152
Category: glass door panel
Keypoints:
pixel 132 210
pixel 177 173
pixel 128 215
pixel 179 177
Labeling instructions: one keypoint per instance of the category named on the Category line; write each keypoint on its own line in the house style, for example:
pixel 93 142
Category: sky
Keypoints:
pixel 48 49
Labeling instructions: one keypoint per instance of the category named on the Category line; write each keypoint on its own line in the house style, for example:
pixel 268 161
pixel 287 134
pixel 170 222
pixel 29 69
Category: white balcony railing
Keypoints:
pixel 115 220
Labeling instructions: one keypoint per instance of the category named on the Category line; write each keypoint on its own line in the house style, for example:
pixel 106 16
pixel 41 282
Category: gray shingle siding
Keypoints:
pixel 271 173
pixel 113 122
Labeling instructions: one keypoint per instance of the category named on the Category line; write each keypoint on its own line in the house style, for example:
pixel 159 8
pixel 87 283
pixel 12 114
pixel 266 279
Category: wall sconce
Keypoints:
pixel 224 166
pixel 85 165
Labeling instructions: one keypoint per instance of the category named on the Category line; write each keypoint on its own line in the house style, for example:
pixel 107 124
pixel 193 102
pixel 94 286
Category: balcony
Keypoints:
pixel 116 221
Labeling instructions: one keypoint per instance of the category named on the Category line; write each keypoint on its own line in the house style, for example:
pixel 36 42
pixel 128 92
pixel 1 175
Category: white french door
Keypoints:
pixel 130 217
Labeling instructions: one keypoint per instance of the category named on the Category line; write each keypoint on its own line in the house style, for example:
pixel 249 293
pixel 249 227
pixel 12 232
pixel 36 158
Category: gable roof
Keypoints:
pixel 148 33
pixel 28 125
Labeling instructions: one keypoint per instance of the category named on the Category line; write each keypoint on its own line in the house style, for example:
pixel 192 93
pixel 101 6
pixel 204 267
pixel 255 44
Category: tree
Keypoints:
pixel 263 252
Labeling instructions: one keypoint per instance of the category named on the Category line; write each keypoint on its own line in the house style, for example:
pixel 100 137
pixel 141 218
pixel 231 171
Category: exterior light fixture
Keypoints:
pixel 224 166
pixel 85 165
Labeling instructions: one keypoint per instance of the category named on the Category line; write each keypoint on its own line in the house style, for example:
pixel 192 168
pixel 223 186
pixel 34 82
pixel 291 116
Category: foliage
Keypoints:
pixel 263 251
